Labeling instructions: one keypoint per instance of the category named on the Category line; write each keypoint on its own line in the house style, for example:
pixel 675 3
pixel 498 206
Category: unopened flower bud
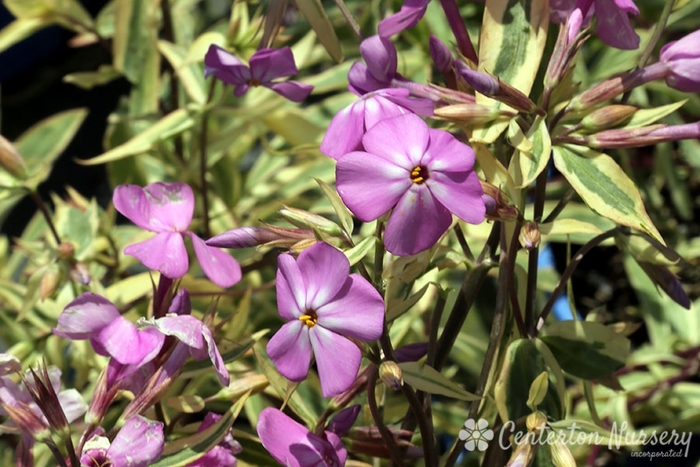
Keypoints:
pixel 529 235
pixel 300 218
pixel 496 89
pixel 79 273
pixel 341 423
pixel 645 136
pixel 11 160
pixel 411 352
pixel 523 455
pixel 468 113
pixel 536 421
pixel 246 237
pixel 497 205
pixel 66 251
pixel 390 373
pixel 608 117
pixel 302 245
pixel 682 60
pixel 48 283
pixel 561 455
pixel 441 54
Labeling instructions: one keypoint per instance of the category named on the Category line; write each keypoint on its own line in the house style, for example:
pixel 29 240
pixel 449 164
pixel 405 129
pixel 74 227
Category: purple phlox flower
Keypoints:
pixel 411 12
pixel 167 208
pixel 423 175
pixel 221 455
pixel 613 24
pixel 293 445
pixel 345 131
pixel 139 443
pixel 379 54
pixel 682 58
pixel 93 317
pixel 265 65
pixel 16 395
pixel 325 306
pixel 193 333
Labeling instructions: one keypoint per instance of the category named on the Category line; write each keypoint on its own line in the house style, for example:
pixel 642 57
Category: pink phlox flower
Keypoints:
pixel 139 443
pixel 381 61
pixel 167 209
pixel 293 445
pixel 93 317
pixel 423 175
pixel 16 394
pixel 347 127
pixel 221 455
pixel 411 12
pixel 613 24
pixel 682 58
pixel 265 66
pixel 325 306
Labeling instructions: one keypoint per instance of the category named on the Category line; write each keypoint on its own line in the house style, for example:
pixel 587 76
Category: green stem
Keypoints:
pixel 463 243
pixel 533 258
pixel 467 295
pixel 594 242
pixel 494 341
pixel 203 162
pixel 568 196
pixel 47 216
pixel 378 422
pixel 379 254
pixel 352 22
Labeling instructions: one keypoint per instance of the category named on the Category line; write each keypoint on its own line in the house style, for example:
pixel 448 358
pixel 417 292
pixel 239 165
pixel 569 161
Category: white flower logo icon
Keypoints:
pixel 477 434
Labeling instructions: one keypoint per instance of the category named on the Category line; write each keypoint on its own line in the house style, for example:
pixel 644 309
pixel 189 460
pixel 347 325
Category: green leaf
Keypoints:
pixel 586 349
pixel 527 164
pixel 644 117
pixel 522 365
pixel 604 187
pixel 280 384
pixel 45 141
pixel 19 30
pixel 397 306
pixel 428 379
pixel 135 33
pixel 513 36
pixel 359 251
pixel 90 79
pixel 338 206
pixel 190 74
pixel 538 390
pixel 172 124
pixel 188 403
pixel 186 450
pixel 316 16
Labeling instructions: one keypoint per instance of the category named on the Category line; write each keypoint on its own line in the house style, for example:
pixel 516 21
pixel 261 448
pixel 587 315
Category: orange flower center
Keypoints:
pixel 253 82
pixel 419 174
pixel 310 318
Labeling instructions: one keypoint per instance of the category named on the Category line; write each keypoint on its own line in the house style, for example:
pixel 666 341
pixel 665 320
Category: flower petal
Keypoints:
pixel 411 12
pixel 361 81
pixel 219 266
pixel 369 184
pixel 128 345
pixel 72 403
pixel 460 193
pixel 337 358
pixel 138 444
pixel 165 252
pixel 216 359
pixel 446 153
pixel 292 90
pixel 345 131
pixel 417 223
pixel 402 140
pixel 357 311
pixel 158 207
pixel 614 27
pixel 225 66
pixel 290 350
pixel 324 269
pixel 292 445
pixel 268 64
pixel 291 289
pixel 86 315
pixel 380 56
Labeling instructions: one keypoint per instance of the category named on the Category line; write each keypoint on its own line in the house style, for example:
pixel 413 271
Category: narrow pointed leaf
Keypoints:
pixel 316 16
pixel 527 164
pixel 428 379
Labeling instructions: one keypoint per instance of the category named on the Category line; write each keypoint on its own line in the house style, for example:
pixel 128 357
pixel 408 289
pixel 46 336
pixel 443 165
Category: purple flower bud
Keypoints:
pixel 441 54
pixel 682 58
pixel 343 420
